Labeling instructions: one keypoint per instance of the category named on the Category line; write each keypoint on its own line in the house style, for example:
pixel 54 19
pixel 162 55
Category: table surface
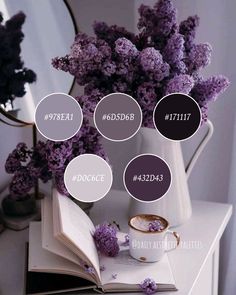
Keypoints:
pixel 204 230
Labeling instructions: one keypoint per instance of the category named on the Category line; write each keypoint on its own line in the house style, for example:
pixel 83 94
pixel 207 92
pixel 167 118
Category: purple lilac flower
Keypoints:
pixel 181 83
pixel 155 225
pixel 106 240
pixel 114 276
pixel 174 53
pixel 109 68
pixel 102 268
pixel 162 58
pixel 208 90
pixel 146 96
pixel 152 63
pixel 148 119
pixel 38 164
pixel 125 48
pixel 148 286
pixel 62 63
pixel 188 29
pixel 57 154
pixel 166 15
pixel 120 86
pixel 199 56
pixel 88 102
pixel 158 22
pixel 18 155
pixel 111 33
pixel 21 183
pixel 90 269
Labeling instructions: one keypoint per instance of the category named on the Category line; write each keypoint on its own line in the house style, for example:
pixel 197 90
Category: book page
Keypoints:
pixel 77 229
pixel 130 271
pixel 41 260
pixel 49 242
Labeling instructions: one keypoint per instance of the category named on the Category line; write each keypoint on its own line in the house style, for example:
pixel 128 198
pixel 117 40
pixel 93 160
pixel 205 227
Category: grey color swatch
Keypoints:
pixel 118 117
pixel 88 178
pixel 58 116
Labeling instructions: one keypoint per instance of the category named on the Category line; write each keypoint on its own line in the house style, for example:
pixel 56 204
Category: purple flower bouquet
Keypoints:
pixel 162 59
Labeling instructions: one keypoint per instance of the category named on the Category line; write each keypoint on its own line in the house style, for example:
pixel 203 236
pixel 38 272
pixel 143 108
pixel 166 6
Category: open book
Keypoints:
pixel 62 246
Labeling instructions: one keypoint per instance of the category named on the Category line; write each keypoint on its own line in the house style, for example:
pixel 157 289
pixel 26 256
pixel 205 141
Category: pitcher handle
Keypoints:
pixel 200 148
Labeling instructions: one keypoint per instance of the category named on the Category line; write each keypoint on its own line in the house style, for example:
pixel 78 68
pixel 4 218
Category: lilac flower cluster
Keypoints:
pixel 162 59
pixel 48 160
pixel 148 286
pixel 13 74
pixel 156 225
pixel 106 240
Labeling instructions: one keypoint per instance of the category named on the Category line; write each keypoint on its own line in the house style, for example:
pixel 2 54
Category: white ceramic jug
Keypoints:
pixel 175 206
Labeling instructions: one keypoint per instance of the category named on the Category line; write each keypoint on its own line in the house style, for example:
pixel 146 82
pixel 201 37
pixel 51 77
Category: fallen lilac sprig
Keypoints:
pixel 89 269
pixel 106 240
pixel 148 286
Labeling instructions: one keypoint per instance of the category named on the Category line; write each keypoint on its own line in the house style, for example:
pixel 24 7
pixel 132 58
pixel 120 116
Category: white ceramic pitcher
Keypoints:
pixel 175 206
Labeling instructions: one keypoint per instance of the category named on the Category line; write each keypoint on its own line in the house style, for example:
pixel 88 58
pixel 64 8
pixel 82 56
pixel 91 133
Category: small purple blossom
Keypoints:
pixel 61 63
pixel 111 33
pixel 106 240
pixel 209 89
pixel 18 155
pixel 102 268
pixel 146 96
pixel 21 183
pixel 109 68
pixel 188 29
pixel 148 286
pixel 125 48
pixel 114 276
pixel 174 53
pixel 57 153
pixel 181 83
pixel 155 225
pixel 152 63
pixel 199 57
pixel 90 269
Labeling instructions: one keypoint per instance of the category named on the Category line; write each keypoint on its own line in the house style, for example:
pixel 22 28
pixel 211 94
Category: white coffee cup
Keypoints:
pixel 146 245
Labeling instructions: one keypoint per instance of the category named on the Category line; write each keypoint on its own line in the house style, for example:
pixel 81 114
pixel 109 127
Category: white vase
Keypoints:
pixel 175 206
